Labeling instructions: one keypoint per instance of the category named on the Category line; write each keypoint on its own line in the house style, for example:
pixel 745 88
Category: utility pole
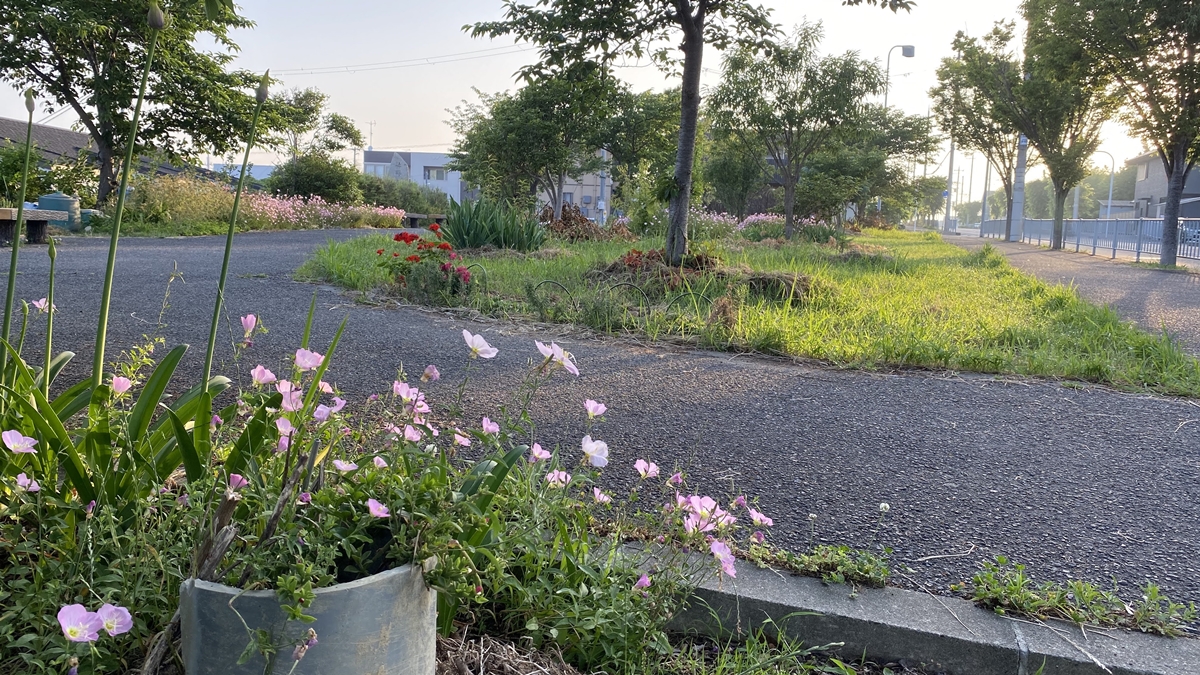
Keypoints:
pixel 1018 209
pixel 970 185
pixel 1075 208
pixel 371 142
pixel 949 187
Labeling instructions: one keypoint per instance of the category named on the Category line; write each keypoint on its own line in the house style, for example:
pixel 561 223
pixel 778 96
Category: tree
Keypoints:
pixel 644 127
pixel 1059 103
pixel 309 128
pixel 317 174
pixel 735 171
pixel 402 194
pixel 515 146
pixel 1152 51
pixel 88 56
pixel 969 115
pixel 571 32
pixel 791 100
pixel 875 150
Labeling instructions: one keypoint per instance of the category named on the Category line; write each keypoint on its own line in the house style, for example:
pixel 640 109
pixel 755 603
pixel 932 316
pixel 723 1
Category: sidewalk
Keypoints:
pixel 1151 298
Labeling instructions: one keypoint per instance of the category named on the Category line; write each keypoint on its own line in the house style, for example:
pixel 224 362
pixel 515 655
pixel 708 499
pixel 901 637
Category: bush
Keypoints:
pixel 402 194
pixel 316 174
pixel 489 223
pixel 705 225
pixel 759 226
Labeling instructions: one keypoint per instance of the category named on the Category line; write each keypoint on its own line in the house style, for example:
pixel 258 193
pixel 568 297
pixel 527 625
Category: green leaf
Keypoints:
pixel 251 439
pixel 139 419
pixel 56 366
pixel 51 429
pixel 187 449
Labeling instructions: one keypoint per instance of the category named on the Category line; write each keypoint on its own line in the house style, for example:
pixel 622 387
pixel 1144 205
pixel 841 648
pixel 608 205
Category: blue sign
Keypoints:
pixel 945 193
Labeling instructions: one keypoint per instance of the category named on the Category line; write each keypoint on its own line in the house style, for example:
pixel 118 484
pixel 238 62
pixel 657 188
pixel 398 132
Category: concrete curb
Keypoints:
pixel 941 634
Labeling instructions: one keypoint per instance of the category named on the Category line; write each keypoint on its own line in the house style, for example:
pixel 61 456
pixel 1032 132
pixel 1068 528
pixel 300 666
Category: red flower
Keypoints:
pixel 435 227
pixel 464 274
pixel 444 246
pixel 379 252
pixel 406 237
pixel 413 258
pixel 395 255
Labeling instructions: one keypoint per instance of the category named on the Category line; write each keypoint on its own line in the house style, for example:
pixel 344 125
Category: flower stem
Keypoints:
pixel 16 243
pixel 49 323
pixel 106 293
pixel 237 201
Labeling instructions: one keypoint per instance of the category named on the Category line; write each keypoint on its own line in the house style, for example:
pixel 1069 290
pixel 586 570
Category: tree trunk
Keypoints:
pixel 558 196
pixel 689 113
pixel 1177 169
pixel 1008 201
pixel 104 157
pixel 789 208
pixel 1060 202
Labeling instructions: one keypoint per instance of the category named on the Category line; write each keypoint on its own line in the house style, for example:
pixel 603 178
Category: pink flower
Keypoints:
pixel 378 510
pixel 305 498
pixel 642 582
pixel 26 483
pixel 431 374
pixel 338 404
pixel 595 452
pixel 739 502
pixel 537 453
pixel 344 466
pixel 412 433
pixel 676 479
pixel 724 556
pixel 248 323
pixel 120 385
pixel 183 500
pixel 646 470
pixel 282 446
pixel 78 624
pixel 490 427
pixel 460 439
pixel 17 442
pixel 216 421
pixel 325 387
pixel 236 481
pixel 479 347
pixel 600 497
pixel 41 305
pixel 285 426
pixel 380 462
pixel 556 354
pixel 758 537
pixel 261 375
pixel 306 360
pixel 759 518
pixel 558 478
pixel 292 395
pixel 594 409
pixel 322 412
pixel 116 620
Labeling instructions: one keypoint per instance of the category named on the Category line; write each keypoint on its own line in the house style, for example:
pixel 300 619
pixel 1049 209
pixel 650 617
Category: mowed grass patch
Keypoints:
pixel 892 299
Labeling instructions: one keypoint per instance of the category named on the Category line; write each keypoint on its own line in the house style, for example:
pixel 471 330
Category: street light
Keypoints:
pixel 1112 172
pixel 908 51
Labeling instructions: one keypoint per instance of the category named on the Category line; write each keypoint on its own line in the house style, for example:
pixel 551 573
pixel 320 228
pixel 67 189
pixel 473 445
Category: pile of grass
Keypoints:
pixel 905 299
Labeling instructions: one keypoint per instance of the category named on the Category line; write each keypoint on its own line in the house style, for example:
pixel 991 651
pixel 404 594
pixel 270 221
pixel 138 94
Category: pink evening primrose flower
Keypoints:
pixel 285 426
pixel 261 375
pixel 380 462
pixel 344 466
pixel 490 427
pixel 248 323
pixel 646 469
pixel 676 479
pixel 338 404
pixel 378 510
pixel 460 439
pixel 306 360
pixel 120 385
pixel 322 412
pixel 759 518
pixel 42 305
pixel 325 387
pixel 558 478
pixel 237 482
pixel 26 483
pixel 479 347
pixel 724 556
pixel 739 502
pixel 758 537
pixel 116 620
pixel 17 442
pixel 431 374
pixel 600 497
pixel 537 453
pixel 642 582
pixel 556 354
pixel 78 624
pixel 305 498
pixel 412 433
pixel 595 452
pixel 594 409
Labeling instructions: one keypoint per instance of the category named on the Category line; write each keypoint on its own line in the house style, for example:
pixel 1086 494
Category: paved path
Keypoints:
pixel 1152 298
pixel 1085 483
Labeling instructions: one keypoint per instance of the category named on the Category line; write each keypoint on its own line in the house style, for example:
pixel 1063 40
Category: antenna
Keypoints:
pixel 372 137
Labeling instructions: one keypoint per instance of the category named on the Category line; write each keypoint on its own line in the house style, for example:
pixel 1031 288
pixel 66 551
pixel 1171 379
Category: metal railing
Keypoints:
pixel 1141 236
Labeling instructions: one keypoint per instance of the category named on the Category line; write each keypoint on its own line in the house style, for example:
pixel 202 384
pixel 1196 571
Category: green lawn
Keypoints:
pixel 905 300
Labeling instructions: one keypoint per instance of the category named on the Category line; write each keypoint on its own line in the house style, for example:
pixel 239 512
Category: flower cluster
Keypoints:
pixel 80 625
pixel 417 251
pixel 264 211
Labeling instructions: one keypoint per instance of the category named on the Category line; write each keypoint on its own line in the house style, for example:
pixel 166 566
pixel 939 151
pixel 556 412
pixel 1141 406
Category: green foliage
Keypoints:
pixel 407 195
pixel 317 174
pixel 735 171
pixel 72 176
pixel 640 203
pixel 485 222
pixel 1005 588
pixel 642 135
pixel 309 128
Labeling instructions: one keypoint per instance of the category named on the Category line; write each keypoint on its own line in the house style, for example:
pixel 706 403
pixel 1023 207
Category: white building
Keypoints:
pixel 424 168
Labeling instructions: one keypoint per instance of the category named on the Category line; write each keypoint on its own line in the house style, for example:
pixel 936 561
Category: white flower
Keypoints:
pixel 595 452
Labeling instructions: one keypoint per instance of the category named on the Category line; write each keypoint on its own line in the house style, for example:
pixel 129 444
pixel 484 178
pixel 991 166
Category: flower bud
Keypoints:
pixel 51 250
pixel 263 84
pixel 29 100
pixel 155 17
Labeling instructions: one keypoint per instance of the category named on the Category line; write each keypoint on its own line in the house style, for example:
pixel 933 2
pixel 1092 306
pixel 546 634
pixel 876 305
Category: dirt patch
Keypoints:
pixel 779 286
pixel 871 252
pixel 574 226
pixel 477 655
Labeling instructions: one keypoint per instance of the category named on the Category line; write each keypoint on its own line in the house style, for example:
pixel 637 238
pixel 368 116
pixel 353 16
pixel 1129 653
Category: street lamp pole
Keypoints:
pixel 1112 173
pixel 908 51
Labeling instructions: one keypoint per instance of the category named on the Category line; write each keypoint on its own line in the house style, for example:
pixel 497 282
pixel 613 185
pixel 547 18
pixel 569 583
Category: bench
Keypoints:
pixel 35 224
pixel 414 218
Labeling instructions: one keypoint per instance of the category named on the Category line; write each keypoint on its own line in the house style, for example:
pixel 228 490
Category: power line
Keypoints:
pixel 410 63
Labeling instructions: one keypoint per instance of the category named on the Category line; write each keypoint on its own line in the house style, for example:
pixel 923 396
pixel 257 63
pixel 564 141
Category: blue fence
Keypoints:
pixel 1140 236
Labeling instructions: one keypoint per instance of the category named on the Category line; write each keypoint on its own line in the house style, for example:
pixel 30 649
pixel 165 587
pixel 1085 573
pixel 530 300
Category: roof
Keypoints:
pixel 1143 158
pixel 379 156
pixel 52 142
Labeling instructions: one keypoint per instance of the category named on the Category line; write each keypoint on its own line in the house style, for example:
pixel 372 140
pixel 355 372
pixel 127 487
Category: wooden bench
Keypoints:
pixel 35 224
pixel 414 218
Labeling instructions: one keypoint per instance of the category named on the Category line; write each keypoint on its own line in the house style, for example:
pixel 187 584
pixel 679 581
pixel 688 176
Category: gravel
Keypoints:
pixel 1082 483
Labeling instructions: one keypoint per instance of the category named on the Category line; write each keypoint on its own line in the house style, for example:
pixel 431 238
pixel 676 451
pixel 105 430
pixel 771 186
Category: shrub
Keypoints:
pixel 705 225
pixel 317 174
pixel 489 223
pixel 759 226
pixel 406 195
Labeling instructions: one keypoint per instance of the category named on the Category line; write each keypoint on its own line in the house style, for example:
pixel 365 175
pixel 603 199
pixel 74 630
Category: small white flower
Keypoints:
pixel 884 508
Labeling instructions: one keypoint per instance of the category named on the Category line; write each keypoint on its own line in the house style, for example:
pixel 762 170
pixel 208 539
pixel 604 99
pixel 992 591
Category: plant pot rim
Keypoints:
pixel 214 587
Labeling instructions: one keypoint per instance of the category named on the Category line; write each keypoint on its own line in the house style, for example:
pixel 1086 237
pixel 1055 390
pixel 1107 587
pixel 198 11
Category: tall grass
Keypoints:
pixel 893 299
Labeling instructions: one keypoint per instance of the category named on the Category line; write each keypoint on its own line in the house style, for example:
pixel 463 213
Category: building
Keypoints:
pixel 591 193
pixel 424 168
pixel 1150 189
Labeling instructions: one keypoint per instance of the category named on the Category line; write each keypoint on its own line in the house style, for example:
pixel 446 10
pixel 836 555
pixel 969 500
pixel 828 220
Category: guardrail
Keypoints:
pixel 1136 235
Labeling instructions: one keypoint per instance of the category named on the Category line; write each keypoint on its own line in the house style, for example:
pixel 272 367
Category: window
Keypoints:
pixel 583 211
pixel 568 197
pixel 1142 170
pixel 435 173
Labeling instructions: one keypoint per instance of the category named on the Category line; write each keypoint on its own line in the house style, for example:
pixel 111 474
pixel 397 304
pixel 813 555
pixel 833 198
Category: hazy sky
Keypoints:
pixel 424 64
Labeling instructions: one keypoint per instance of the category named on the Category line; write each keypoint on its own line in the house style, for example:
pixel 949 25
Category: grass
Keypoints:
pixel 897 299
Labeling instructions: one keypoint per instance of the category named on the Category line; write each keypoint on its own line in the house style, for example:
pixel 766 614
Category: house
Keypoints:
pixel 591 193
pixel 424 168
pixel 1150 189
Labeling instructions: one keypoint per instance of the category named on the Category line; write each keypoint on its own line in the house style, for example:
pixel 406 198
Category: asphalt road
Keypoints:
pixel 1082 483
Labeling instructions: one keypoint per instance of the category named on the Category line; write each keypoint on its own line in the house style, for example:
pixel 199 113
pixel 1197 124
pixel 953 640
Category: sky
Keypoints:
pixel 397 68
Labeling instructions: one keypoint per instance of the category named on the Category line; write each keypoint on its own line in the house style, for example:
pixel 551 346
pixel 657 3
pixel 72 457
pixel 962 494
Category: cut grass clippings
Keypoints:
pixel 895 299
